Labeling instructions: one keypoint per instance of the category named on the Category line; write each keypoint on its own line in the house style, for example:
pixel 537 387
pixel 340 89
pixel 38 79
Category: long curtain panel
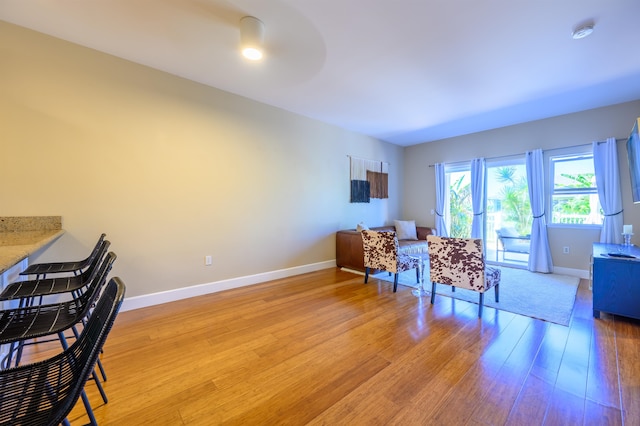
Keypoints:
pixel 540 254
pixel 605 163
pixel 441 198
pixel 477 197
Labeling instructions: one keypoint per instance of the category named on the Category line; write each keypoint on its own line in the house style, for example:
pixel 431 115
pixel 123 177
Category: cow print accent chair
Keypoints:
pixel 381 252
pixel 459 262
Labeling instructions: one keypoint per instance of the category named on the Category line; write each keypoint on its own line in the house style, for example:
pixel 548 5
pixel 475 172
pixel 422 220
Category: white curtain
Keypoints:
pixel 441 198
pixel 477 197
pixel 539 252
pixel 605 163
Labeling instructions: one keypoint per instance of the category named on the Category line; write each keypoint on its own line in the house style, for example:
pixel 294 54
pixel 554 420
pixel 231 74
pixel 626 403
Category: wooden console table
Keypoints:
pixel 616 280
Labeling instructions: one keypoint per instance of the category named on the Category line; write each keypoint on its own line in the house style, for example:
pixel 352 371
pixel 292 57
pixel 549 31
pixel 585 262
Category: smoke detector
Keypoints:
pixel 583 31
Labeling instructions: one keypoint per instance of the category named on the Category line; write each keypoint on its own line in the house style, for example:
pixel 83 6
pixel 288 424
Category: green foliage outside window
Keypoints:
pixel 514 203
pixel 460 208
pixel 516 208
pixel 574 204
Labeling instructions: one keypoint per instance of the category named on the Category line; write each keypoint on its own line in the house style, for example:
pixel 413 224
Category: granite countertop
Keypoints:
pixel 20 237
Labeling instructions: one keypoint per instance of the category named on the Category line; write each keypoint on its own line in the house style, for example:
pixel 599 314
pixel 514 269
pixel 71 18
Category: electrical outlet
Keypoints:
pixel 565 250
pixel 208 261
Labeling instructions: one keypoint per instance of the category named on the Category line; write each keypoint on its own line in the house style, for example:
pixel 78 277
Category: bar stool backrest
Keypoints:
pixel 44 393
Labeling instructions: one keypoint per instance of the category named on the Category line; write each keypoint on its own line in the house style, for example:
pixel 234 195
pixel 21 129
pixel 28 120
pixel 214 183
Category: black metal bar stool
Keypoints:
pixel 21 324
pixel 45 392
pixel 26 291
pixel 74 267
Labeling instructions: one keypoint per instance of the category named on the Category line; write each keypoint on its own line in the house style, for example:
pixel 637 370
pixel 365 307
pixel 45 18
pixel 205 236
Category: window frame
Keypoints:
pixel 569 154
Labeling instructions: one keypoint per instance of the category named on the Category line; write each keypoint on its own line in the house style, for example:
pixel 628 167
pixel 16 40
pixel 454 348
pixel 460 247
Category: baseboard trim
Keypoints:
pixel 353 271
pixel 580 273
pixel 159 298
pixel 153 299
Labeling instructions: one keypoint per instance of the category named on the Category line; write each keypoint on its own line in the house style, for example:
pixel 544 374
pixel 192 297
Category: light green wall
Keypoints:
pixel 562 131
pixel 172 170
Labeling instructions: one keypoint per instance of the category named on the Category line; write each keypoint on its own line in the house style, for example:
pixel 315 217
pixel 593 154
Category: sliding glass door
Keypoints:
pixel 508 212
pixel 508 219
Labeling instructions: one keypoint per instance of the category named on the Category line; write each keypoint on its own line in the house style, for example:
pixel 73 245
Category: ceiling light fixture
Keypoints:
pixel 583 30
pixel 251 37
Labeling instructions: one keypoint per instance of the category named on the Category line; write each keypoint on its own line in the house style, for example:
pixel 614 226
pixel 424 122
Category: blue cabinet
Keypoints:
pixel 616 280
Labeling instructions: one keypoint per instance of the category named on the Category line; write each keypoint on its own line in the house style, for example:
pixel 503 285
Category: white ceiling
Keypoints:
pixel 404 71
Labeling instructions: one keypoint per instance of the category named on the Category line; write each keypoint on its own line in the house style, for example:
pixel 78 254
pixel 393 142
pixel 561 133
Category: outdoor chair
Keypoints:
pixel 381 252
pixel 74 267
pixel 512 242
pixel 459 262
pixel 45 392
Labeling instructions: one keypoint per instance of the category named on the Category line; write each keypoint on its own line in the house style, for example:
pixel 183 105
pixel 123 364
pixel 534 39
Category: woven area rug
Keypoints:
pixel 549 297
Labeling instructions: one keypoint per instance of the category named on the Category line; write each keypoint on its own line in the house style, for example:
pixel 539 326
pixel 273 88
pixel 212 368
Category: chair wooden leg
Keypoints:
pixel 395 282
pixel 433 292
pixel 418 275
pixel 366 275
pixel 497 293
pixel 481 302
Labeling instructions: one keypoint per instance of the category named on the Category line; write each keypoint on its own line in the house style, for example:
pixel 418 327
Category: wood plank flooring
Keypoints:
pixel 325 349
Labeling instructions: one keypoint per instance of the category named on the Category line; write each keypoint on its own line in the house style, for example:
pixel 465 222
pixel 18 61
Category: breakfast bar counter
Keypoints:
pixel 20 237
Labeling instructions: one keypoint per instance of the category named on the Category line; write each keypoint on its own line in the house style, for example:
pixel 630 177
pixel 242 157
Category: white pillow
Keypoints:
pixel 406 229
pixel 361 227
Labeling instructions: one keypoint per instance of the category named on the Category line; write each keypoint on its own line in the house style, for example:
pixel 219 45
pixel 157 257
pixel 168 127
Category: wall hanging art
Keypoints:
pixel 369 179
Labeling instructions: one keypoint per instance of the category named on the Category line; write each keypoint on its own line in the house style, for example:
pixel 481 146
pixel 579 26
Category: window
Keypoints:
pixel 508 210
pixel 574 195
pixel 459 211
pixel 508 196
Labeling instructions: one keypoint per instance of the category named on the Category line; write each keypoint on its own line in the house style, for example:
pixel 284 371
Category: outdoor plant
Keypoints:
pixel 460 208
pixel 516 208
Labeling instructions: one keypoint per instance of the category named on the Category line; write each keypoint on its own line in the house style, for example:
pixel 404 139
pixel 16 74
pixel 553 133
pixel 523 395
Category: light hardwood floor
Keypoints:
pixel 324 348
